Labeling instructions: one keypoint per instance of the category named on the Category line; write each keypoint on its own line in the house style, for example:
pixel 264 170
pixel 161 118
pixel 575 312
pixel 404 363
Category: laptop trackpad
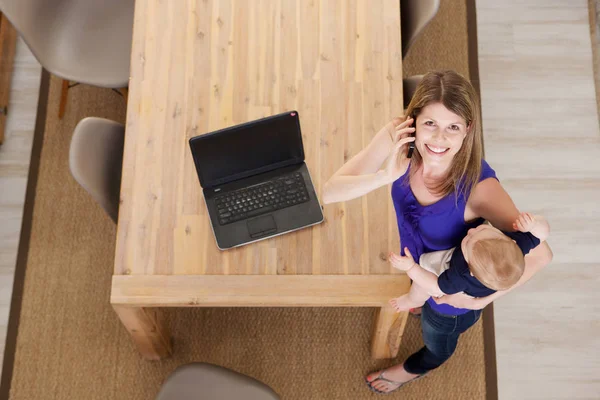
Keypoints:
pixel 262 226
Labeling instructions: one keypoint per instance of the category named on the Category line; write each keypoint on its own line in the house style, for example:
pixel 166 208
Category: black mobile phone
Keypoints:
pixel 411 145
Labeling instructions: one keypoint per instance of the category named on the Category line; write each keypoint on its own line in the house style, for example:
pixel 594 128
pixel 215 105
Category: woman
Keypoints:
pixel 442 191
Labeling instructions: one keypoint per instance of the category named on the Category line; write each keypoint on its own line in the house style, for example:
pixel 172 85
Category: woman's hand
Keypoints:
pixel 461 300
pixel 397 162
pixel 402 263
pixel 396 128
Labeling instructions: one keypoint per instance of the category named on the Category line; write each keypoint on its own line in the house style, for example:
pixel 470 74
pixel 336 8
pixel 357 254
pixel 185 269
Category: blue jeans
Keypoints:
pixel 440 334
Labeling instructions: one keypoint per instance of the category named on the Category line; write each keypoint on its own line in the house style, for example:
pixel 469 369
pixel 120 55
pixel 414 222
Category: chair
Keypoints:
pixel 96 160
pixel 414 16
pixel 409 86
pixel 86 41
pixel 202 381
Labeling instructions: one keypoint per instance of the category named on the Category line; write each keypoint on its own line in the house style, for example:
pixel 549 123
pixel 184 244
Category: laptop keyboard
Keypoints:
pixel 260 199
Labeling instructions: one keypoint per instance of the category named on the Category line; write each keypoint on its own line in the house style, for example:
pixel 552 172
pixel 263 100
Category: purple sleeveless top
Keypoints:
pixel 438 226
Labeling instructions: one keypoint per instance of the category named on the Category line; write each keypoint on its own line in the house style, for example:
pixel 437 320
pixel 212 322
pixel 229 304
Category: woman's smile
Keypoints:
pixel 435 150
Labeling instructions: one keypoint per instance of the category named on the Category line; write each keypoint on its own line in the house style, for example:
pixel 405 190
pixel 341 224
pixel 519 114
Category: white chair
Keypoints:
pixel 202 381
pixel 414 17
pixel 96 160
pixel 85 41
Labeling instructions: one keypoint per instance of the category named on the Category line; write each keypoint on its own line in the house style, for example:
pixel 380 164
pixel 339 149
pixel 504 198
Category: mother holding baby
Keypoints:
pixel 440 193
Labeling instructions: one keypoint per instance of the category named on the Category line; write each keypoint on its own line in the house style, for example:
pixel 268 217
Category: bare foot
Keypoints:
pixel 397 373
pixel 403 303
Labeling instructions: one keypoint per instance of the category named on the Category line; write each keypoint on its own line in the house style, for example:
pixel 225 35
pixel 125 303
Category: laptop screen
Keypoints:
pixel 248 149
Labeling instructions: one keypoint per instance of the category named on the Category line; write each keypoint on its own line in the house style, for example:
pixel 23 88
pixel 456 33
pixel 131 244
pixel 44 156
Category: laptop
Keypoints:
pixel 255 182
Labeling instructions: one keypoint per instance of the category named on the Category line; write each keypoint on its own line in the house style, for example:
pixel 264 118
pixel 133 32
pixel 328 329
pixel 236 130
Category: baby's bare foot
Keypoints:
pixel 403 303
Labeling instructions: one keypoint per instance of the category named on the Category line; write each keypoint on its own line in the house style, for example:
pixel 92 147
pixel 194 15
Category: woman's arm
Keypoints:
pixel 362 173
pixel 489 201
pixel 348 187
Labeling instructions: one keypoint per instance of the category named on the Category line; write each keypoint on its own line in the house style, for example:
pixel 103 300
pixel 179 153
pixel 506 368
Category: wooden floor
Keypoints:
pixel 15 155
pixel 542 137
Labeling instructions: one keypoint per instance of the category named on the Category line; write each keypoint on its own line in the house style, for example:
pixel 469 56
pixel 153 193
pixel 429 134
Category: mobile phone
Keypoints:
pixel 411 145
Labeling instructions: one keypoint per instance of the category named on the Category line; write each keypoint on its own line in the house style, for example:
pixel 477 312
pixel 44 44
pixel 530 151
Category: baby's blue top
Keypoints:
pixel 438 226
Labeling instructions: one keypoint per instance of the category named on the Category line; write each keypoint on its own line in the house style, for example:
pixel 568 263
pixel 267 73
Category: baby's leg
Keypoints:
pixel 415 297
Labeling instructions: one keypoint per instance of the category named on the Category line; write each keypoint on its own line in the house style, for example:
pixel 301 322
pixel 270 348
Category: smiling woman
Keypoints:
pixel 449 137
pixel 442 191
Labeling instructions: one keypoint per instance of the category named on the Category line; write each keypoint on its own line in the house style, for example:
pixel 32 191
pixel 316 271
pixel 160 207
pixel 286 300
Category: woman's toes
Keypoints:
pixel 371 377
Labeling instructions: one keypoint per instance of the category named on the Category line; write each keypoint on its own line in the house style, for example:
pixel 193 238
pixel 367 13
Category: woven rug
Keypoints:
pixel 65 341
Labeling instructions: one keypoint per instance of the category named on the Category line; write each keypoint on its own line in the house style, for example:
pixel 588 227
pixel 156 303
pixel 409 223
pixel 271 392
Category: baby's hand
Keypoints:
pixel 402 263
pixel 524 223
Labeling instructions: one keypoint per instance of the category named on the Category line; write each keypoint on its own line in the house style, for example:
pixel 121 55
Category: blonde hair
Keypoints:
pixel 497 263
pixel 458 95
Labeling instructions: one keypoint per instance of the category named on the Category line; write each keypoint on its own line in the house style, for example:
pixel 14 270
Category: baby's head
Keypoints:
pixel 493 258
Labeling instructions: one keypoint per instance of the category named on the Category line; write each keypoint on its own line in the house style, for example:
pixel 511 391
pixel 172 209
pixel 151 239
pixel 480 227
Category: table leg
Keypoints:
pixel 387 335
pixel 147 330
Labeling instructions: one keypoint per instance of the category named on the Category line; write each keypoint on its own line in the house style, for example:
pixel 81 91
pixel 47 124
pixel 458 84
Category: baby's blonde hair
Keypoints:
pixel 497 263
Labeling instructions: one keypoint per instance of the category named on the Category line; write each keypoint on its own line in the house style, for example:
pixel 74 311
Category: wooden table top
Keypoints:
pixel 198 66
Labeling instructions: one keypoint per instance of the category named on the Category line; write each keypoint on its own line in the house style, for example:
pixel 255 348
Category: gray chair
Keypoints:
pixel 86 41
pixel 409 86
pixel 96 160
pixel 414 16
pixel 202 381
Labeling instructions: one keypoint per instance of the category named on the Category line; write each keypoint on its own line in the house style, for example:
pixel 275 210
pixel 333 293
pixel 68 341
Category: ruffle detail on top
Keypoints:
pixel 409 229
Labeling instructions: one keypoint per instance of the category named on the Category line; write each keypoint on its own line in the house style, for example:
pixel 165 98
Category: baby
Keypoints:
pixel 486 261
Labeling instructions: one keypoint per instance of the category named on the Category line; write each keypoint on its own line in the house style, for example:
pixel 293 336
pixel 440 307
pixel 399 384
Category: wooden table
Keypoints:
pixel 202 65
